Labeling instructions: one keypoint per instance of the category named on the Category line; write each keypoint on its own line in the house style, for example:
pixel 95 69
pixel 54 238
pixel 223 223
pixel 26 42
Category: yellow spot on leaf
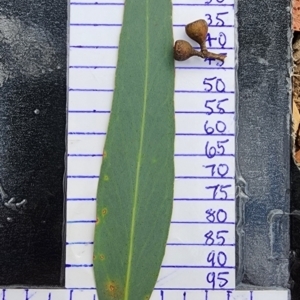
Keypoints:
pixel 104 211
pixel 102 257
pixel 147 297
pixel 94 257
pixel 113 290
pixel 106 178
pixel 97 220
pixel 104 154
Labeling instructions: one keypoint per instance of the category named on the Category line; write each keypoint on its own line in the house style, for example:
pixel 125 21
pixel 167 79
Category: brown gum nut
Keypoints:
pixel 197 31
pixel 182 50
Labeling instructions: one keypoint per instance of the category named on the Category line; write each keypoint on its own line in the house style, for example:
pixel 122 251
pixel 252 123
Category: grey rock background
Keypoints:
pixel 32 140
pixel 263 156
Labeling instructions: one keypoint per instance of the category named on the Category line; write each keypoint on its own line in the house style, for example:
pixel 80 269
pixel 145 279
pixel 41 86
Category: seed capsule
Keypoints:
pixel 183 50
pixel 197 31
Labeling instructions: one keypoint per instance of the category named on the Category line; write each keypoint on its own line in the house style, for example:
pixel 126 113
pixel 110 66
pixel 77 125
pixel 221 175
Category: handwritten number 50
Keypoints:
pixel 214 83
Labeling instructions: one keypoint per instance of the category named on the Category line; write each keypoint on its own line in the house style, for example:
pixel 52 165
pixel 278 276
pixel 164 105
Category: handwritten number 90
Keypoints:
pixel 214 83
pixel 219 259
pixel 217 278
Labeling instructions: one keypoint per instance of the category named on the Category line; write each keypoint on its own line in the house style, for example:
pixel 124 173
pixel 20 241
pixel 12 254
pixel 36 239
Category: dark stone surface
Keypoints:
pixel 32 141
pixel 263 141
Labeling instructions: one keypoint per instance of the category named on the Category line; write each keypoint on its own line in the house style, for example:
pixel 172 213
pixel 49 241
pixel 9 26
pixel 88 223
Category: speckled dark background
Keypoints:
pixel 32 145
pixel 264 141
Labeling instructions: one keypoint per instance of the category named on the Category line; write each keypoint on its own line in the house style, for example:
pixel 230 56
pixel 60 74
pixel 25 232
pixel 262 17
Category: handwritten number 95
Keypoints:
pixel 217 278
pixel 220 22
pixel 214 84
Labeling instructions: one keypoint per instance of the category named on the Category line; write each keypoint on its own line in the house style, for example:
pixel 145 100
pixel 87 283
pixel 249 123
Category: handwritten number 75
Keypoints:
pixel 219 191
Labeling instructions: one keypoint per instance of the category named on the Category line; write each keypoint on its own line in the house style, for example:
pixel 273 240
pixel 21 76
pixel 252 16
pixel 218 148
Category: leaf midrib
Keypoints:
pixel 138 167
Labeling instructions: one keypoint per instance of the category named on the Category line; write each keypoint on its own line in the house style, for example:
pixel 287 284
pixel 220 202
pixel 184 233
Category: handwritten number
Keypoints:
pixel 211 151
pixel 221 110
pixel 222 169
pixel 219 189
pixel 219 127
pixel 209 39
pixel 219 259
pixel 209 19
pixel 212 277
pixel 209 1
pixel 214 83
pixel 210 240
pixel 223 281
pixel 211 103
pixel 222 39
pixel 219 22
pixel 220 216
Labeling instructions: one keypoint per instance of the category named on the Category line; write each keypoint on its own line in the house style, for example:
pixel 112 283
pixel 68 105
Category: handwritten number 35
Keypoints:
pixel 220 22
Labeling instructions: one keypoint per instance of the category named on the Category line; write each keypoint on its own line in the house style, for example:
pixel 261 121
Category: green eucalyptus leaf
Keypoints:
pixel 135 191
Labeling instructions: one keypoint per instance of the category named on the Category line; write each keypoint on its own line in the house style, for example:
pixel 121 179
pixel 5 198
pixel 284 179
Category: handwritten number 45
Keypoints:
pixel 219 22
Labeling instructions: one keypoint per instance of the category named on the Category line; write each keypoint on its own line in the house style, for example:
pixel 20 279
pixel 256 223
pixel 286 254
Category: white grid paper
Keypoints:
pixel 94 35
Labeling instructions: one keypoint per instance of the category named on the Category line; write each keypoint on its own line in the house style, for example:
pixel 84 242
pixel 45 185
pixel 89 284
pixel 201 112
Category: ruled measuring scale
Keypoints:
pixel 199 263
pixel 200 256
